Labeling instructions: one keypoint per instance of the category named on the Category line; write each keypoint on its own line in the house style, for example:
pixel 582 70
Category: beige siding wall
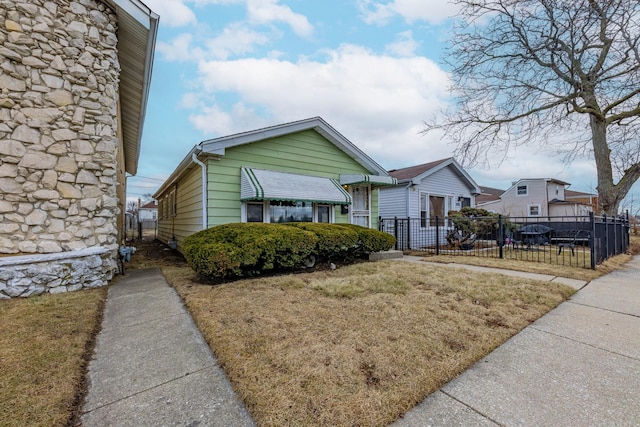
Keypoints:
pixel 517 205
pixel 188 217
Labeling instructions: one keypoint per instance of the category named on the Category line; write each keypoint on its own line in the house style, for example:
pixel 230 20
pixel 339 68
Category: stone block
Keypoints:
pixel 12 148
pixel 378 256
pixel 27 134
pixel 38 161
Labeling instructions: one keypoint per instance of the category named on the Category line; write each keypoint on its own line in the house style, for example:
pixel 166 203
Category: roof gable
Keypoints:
pixel 415 174
pixel 218 146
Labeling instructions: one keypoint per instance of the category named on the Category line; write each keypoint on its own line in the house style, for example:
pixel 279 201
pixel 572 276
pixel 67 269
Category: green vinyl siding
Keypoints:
pixel 306 153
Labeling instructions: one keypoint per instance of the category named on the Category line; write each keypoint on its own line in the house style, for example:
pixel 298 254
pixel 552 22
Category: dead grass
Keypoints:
pixel 44 347
pixel 360 345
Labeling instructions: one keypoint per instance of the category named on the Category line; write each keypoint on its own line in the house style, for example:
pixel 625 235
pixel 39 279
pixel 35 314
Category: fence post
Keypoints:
pixel 500 235
pixel 606 236
pixel 592 239
pixel 395 230
pixel 409 233
pixel 437 235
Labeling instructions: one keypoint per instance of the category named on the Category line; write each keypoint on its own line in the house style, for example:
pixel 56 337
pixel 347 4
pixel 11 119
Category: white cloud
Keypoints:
pixel 173 13
pixel 405 45
pixel 236 39
pixel 217 121
pixel 375 101
pixel 179 49
pixel 268 11
pixel 432 11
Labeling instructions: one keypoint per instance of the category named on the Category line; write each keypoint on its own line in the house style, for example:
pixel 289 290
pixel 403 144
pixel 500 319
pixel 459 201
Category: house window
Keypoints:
pixel 522 190
pixel 534 210
pixel 465 202
pixel 284 211
pixel 173 204
pixel 423 210
pixel 436 209
pixel 160 207
pixel 255 212
pixel 324 213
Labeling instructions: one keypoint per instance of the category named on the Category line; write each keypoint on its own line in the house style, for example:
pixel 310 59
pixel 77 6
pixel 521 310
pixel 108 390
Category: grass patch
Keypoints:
pixel 44 348
pixel 360 345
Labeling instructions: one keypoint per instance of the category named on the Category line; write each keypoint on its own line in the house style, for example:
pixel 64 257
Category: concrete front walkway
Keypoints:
pixel 152 367
pixel 578 365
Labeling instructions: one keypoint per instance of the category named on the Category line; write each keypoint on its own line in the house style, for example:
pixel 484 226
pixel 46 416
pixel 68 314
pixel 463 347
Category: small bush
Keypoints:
pixel 235 250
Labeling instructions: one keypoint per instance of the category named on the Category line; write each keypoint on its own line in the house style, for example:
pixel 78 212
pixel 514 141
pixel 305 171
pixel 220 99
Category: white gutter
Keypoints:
pixel 194 157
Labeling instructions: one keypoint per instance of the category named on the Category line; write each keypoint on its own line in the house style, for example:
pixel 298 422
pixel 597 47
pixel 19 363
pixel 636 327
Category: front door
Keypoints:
pixel 361 211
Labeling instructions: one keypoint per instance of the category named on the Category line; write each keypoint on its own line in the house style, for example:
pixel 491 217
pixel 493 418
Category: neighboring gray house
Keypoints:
pixel 538 197
pixel 425 192
pixel 428 190
pixel 74 84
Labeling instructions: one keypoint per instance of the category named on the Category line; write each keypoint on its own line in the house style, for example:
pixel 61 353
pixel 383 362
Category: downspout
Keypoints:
pixel 203 167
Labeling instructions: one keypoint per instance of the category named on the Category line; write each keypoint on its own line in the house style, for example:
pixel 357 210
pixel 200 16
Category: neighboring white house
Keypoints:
pixel 148 211
pixel 537 197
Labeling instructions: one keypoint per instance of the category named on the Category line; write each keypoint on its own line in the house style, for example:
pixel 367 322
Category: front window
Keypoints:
pixel 436 209
pixel 324 213
pixel 465 202
pixel 423 210
pixel 522 190
pixel 255 212
pixel 284 211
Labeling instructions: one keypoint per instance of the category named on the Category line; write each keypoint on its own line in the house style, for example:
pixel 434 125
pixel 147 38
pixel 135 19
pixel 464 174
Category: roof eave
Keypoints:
pixel 137 32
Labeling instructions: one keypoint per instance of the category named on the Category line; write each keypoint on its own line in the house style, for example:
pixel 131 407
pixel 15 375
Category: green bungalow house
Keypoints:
pixel 293 172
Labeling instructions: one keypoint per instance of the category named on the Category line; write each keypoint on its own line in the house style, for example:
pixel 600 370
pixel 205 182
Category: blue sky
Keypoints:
pixel 372 69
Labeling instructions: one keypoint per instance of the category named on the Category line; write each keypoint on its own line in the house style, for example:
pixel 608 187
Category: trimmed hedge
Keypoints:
pixel 372 240
pixel 334 241
pixel 247 249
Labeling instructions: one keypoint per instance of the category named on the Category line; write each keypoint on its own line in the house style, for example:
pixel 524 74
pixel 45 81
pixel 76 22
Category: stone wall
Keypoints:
pixel 58 123
pixel 25 276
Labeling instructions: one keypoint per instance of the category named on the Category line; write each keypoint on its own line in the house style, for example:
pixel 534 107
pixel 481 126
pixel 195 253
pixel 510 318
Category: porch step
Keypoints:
pixel 378 256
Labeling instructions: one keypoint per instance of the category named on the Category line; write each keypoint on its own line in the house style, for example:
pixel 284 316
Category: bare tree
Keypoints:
pixel 545 71
pixel 132 207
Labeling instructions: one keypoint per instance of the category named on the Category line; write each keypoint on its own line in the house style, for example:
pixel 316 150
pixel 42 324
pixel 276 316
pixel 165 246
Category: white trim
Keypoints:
pixel 204 186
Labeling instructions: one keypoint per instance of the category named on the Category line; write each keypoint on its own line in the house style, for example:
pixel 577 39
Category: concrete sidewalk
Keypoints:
pixel 577 365
pixel 151 366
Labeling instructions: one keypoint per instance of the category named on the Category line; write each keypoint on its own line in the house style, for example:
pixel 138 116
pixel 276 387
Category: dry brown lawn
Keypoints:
pixel 357 346
pixel 44 347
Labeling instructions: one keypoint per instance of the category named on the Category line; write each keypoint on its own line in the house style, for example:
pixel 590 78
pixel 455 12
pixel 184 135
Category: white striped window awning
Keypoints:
pixel 374 180
pixel 257 184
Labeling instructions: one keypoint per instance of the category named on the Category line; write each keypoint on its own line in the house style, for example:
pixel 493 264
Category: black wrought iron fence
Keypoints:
pixel 583 241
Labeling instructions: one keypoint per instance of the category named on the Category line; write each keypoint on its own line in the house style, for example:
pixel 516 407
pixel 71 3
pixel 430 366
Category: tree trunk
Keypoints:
pixel 608 200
